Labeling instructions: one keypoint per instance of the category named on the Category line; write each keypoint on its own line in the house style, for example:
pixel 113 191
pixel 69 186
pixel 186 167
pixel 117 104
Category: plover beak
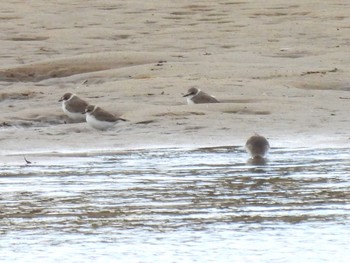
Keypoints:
pixel 188 94
pixel 61 99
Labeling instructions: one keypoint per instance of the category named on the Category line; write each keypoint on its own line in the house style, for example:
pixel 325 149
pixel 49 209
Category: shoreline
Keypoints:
pixel 319 142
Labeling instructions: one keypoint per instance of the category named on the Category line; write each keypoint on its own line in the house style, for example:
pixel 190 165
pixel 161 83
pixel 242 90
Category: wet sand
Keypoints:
pixel 280 70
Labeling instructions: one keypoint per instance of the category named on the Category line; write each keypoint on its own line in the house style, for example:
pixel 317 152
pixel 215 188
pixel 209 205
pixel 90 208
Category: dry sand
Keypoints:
pixel 280 69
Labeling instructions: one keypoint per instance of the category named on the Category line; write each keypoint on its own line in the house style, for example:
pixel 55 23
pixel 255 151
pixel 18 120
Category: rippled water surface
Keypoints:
pixel 177 205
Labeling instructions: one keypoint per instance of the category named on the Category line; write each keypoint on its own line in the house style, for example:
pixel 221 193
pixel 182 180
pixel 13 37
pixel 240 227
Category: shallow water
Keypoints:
pixel 177 205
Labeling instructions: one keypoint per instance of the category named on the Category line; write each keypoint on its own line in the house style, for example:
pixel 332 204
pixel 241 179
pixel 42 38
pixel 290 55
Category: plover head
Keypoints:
pixel 192 92
pixel 67 96
pixel 90 109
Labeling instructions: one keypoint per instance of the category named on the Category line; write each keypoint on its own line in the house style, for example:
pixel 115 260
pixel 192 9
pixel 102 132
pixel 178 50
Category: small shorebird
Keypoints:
pixel 196 96
pixel 257 146
pixel 100 119
pixel 73 106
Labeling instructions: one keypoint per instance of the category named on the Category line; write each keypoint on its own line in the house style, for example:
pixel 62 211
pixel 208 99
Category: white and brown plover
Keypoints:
pixel 100 119
pixel 73 106
pixel 196 96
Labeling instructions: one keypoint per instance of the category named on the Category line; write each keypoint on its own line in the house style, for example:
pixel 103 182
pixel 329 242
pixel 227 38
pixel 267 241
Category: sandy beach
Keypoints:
pixel 279 69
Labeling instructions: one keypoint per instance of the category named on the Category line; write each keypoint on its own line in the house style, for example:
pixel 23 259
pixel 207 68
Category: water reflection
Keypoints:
pixel 257 160
pixel 185 200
